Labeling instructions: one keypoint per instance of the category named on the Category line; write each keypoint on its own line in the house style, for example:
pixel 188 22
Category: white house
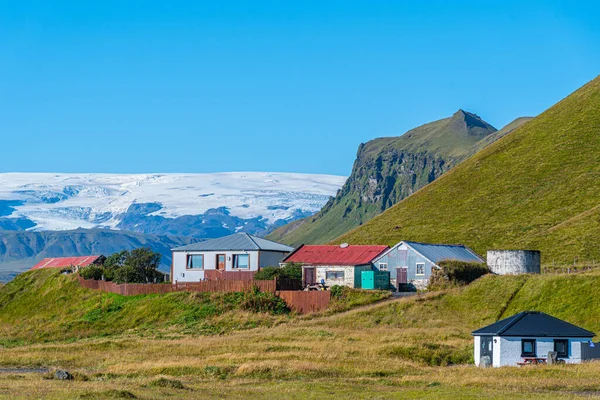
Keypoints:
pixel 532 334
pixel 236 253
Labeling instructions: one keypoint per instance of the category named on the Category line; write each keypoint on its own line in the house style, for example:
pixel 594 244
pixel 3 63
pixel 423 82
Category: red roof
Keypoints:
pixel 335 255
pixel 65 262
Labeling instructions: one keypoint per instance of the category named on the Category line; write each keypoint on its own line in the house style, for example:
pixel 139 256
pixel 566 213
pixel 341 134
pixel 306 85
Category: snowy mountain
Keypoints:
pixel 197 205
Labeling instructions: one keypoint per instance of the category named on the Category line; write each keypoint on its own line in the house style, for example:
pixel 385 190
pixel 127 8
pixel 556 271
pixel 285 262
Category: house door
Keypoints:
pixel 309 276
pixel 402 275
pixel 221 262
pixel 486 343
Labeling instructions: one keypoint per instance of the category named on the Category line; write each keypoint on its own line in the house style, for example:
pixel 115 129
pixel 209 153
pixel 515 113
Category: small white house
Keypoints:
pixel 532 334
pixel 234 253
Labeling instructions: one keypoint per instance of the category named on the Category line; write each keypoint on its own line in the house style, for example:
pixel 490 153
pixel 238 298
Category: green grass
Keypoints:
pixel 418 347
pixel 535 188
pixel 45 305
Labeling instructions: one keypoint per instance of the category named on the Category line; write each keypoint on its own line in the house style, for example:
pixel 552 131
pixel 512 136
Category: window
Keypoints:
pixel 195 261
pixel 383 266
pixel 241 261
pixel 334 275
pixel 527 347
pixel 420 269
pixel 561 346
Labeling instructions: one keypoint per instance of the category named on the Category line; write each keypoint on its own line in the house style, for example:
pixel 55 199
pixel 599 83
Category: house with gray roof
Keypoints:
pixel 532 335
pixel 412 262
pixel 216 258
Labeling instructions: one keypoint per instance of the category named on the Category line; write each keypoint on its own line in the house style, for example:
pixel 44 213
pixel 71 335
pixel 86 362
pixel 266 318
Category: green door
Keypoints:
pixel 368 279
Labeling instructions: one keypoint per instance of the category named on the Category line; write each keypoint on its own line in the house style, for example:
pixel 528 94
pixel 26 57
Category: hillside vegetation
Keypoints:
pixel 418 347
pixel 535 188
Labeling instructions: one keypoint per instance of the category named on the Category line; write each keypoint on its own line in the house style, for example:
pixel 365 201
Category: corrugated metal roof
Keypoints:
pixel 65 262
pixel 439 252
pixel 532 324
pixel 236 242
pixel 335 255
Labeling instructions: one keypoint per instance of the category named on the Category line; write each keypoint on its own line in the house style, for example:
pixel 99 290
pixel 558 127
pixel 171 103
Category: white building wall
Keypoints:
pixel 348 280
pixel 509 350
pixel 476 349
pixel 182 274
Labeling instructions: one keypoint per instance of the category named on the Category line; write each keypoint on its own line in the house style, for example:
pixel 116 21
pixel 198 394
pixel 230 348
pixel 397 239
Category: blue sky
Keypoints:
pixel 203 86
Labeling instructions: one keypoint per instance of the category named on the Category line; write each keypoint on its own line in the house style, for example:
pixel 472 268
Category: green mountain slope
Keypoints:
pixel 387 170
pixel 535 188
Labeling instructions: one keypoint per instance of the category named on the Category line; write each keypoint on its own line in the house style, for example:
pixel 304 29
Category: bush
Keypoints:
pixel 453 273
pixel 92 272
pixel 289 271
pixel 336 291
pixel 257 301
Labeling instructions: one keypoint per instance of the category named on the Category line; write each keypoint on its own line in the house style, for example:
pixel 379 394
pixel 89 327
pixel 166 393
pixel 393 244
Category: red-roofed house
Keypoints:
pixel 69 262
pixel 334 265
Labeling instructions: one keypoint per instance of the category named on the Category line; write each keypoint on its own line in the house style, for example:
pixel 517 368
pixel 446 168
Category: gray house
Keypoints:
pixel 412 262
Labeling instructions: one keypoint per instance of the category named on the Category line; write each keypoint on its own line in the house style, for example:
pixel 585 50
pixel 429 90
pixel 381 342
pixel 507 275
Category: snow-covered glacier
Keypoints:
pixel 153 203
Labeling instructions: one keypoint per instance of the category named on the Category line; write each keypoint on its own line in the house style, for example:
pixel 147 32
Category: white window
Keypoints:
pixel 420 269
pixel 241 261
pixel 195 261
pixel 334 275
pixel 383 266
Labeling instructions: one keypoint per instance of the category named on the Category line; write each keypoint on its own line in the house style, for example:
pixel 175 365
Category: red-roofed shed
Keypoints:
pixel 69 262
pixel 334 265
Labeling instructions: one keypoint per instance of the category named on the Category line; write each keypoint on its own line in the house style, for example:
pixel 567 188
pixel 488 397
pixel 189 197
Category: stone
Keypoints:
pixel 63 375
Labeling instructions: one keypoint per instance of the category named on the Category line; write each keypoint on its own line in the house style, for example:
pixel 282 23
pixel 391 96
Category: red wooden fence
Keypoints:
pixel 132 289
pixel 216 275
pixel 299 301
pixel 306 302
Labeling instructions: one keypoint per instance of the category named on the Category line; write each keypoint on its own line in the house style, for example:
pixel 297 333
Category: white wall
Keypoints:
pixel 510 350
pixel 348 280
pixel 476 349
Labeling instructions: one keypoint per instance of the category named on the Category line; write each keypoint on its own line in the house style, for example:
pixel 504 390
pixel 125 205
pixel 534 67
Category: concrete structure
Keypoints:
pixel 237 252
pixel 334 265
pixel 514 262
pixel 410 263
pixel 531 334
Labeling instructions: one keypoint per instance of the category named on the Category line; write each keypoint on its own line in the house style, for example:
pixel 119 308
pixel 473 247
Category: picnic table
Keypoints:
pixel 532 361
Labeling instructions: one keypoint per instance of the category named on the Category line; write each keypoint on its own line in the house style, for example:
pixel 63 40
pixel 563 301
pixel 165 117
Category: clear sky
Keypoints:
pixel 204 86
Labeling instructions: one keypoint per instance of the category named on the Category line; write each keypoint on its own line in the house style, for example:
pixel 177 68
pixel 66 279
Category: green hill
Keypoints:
pixel 535 188
pixel 389 169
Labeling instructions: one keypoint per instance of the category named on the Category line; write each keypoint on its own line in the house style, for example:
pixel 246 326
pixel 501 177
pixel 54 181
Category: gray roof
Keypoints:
pixel 439 252
pixel 236 242
pixel 533 324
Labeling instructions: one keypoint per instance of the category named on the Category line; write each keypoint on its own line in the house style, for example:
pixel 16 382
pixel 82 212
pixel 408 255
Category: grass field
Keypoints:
pixel 418 347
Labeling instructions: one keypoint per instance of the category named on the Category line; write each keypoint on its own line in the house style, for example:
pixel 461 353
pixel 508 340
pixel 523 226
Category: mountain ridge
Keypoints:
pixel 389 169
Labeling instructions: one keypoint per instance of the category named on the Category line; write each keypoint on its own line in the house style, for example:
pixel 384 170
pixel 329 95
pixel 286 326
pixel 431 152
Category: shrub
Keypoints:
pixel 453 273
pixel 289 271
pixel 92 272
pixel 167 383
pixel 336 291
pixel 257 301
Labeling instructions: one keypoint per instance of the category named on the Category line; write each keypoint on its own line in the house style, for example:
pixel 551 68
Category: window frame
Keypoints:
pixel 379 266
pixel 566 353
pixel 187 261
pixel 533 347
pixel 335 272
pixel 235 261
pixel 417 269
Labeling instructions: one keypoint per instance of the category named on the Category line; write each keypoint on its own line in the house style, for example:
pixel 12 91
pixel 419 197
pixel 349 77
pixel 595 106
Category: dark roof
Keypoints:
pixel 532 324
pixel 439 252
pixel 236 242
pixel 335 255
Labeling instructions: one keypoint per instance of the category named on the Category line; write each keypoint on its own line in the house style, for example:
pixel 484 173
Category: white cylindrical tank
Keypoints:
pixel 513 262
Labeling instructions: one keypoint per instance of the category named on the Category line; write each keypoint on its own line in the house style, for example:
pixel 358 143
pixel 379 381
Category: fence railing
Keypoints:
pixel 132 289
pixel 299 301
pixel 306 302
pixel 216 275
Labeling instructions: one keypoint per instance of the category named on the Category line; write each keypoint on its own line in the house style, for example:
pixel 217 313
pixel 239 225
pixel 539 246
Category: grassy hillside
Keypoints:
pixel 535 188
pixel 397 349
pixel 389 169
